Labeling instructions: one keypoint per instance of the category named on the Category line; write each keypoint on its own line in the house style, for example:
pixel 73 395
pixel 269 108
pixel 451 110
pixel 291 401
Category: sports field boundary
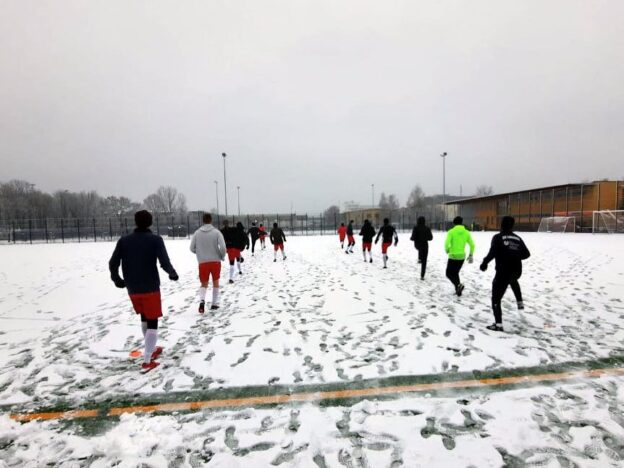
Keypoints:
pixel 332 393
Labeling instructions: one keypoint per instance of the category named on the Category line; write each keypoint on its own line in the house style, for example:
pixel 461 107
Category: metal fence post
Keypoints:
pixel 188 227
pixel 30 230
pixel 62 231
pixel 110 228
pixel 45 222
pixel 78 226
pixel 126 223
pixel 94 232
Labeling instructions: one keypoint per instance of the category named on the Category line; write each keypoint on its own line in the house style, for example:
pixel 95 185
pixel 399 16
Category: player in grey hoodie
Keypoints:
pixel 209 246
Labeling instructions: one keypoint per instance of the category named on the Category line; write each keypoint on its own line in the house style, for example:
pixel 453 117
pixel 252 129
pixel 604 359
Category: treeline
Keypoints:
pixel 21 200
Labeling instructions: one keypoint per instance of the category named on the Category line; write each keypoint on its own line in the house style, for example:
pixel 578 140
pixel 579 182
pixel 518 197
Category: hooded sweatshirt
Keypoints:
pixel 208 244
pixel 456 240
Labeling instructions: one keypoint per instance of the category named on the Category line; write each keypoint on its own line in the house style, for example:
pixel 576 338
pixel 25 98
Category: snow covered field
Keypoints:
pixel 321 317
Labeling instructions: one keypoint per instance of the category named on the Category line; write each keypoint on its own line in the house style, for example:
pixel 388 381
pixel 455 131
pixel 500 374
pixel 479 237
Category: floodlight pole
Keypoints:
pixel 443 155
pixel 225 184
pixel 238 198
pixel 372 195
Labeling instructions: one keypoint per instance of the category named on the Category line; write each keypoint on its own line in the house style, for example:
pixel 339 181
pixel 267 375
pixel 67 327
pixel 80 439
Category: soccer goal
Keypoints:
pixel 608 221
pixel 557 224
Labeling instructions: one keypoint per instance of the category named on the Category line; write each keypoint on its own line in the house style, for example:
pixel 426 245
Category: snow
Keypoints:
pixel 321 316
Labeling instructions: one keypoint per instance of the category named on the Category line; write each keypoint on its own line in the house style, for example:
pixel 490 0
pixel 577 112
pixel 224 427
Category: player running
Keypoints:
pixel 387 232
pixel 367 232
pixel 421 235
pixel 342 233
pixel 241 243
pixel 137 253
pixel 455 246
pixel 508 250
pixel 350 238
pixel 209 246
pixel 262 230
pixel 254 233
pixel 230 237
pixel 277 238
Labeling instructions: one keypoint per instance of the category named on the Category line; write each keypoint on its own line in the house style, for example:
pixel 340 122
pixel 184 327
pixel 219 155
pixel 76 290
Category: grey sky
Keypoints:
pixel 313 101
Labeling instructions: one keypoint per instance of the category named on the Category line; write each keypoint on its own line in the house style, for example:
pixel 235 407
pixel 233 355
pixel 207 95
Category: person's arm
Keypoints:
pixel 193 246
pixel 221 245
pixel 413 238
pixel 362 231
pixel 447 242
pixel 491 254
pixel 378 234
pixel 113 266
pixel 471 244
pixel 271 236
pixel 429 235
pixel 524 252
pixel 163 258
pixel 283 235
pixel 396 236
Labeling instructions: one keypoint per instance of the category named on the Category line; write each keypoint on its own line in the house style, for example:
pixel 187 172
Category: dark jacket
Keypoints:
pixel 367 232
pixel 421 235
pixel 137 253
pixel 508 250
pixel 229 235
pixel 240 238
pixel 277 236
pixel 349 229
pixel 254 232
pixel 387 232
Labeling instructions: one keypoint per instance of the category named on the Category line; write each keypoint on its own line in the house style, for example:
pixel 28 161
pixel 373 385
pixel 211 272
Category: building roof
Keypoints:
pixel 498 195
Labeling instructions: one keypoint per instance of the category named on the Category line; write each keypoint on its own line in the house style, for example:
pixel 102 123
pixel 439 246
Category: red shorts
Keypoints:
pixel 342 237
pixel 233 254
pixel 147 304
pixel 351 240
pixel 208 269
pixel 277 247
pixel 367 246
pixel 384 247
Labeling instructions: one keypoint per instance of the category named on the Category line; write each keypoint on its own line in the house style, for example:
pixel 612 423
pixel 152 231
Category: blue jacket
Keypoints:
pixel 137 254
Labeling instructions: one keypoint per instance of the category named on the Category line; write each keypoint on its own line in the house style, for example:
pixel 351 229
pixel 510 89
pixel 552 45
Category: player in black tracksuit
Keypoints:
pixel 387 233
pixel 508 250
pixel 254 233
pixel 277 238
pixel 241 242
pixel 421 235
pixel 367 232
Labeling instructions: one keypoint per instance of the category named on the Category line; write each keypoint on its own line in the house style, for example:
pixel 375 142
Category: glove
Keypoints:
pixel 174 276
pixel 119 282
pixel 470 259
pixel 396 242
pixel 483 267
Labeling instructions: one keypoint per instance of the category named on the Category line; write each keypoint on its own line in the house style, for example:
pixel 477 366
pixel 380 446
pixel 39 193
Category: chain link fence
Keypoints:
pixel 55 230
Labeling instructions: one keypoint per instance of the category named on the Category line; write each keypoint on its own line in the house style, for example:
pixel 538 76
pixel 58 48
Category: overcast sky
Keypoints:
pixel 313 101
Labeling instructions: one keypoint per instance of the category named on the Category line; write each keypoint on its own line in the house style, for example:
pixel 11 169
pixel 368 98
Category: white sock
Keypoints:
pixel 202 294
pixel 232 271
pixel 215 296
pixel 239 267
pixel 364 254
pixel 275 255
pixel 283 254
pixel 144 328
pixel 385 258
pixel 151 336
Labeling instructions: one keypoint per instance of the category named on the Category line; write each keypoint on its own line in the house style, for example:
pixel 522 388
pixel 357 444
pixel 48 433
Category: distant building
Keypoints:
pixel 528 207
pixel 359 215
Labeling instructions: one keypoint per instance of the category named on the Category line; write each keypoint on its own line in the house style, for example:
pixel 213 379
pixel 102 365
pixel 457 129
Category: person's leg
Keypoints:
pixel 283 252
pixel 151 337
pixel 499 286
pixel 253 246
pixel 517 292
pixel 423 253
pixel 452 271
pixel 216 274
pixel 275 247
pixel 143 325
pixel 238 263
pixel 364 252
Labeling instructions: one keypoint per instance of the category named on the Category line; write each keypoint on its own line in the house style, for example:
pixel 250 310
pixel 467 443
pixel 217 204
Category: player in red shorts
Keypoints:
pixel 367 232
pixel 342 233
pixel 350 238
pixel 137 254
pixel 277 238
pixel 209 246
pixel 387 232
pixel 262 230
pixel 231 243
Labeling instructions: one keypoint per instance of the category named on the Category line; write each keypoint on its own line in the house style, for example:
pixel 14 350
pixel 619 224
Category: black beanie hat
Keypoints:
pixel 143 219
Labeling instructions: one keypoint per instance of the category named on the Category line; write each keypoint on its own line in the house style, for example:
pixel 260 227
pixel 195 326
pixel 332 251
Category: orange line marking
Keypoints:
pixel 316 396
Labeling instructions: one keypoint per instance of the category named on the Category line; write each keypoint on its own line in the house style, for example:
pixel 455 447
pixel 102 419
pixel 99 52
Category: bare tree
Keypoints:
pixel 331 213
pixel 166 200
pixel 484 191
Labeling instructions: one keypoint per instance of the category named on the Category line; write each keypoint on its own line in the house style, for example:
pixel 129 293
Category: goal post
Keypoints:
pixel 557 224
pixel 608 221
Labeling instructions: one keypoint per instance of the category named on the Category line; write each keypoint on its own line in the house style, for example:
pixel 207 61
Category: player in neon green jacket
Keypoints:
pixel 455 246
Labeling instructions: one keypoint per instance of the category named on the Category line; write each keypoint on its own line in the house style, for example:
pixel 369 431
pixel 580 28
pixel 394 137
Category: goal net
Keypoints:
pixel 608 221
pixel 557 224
